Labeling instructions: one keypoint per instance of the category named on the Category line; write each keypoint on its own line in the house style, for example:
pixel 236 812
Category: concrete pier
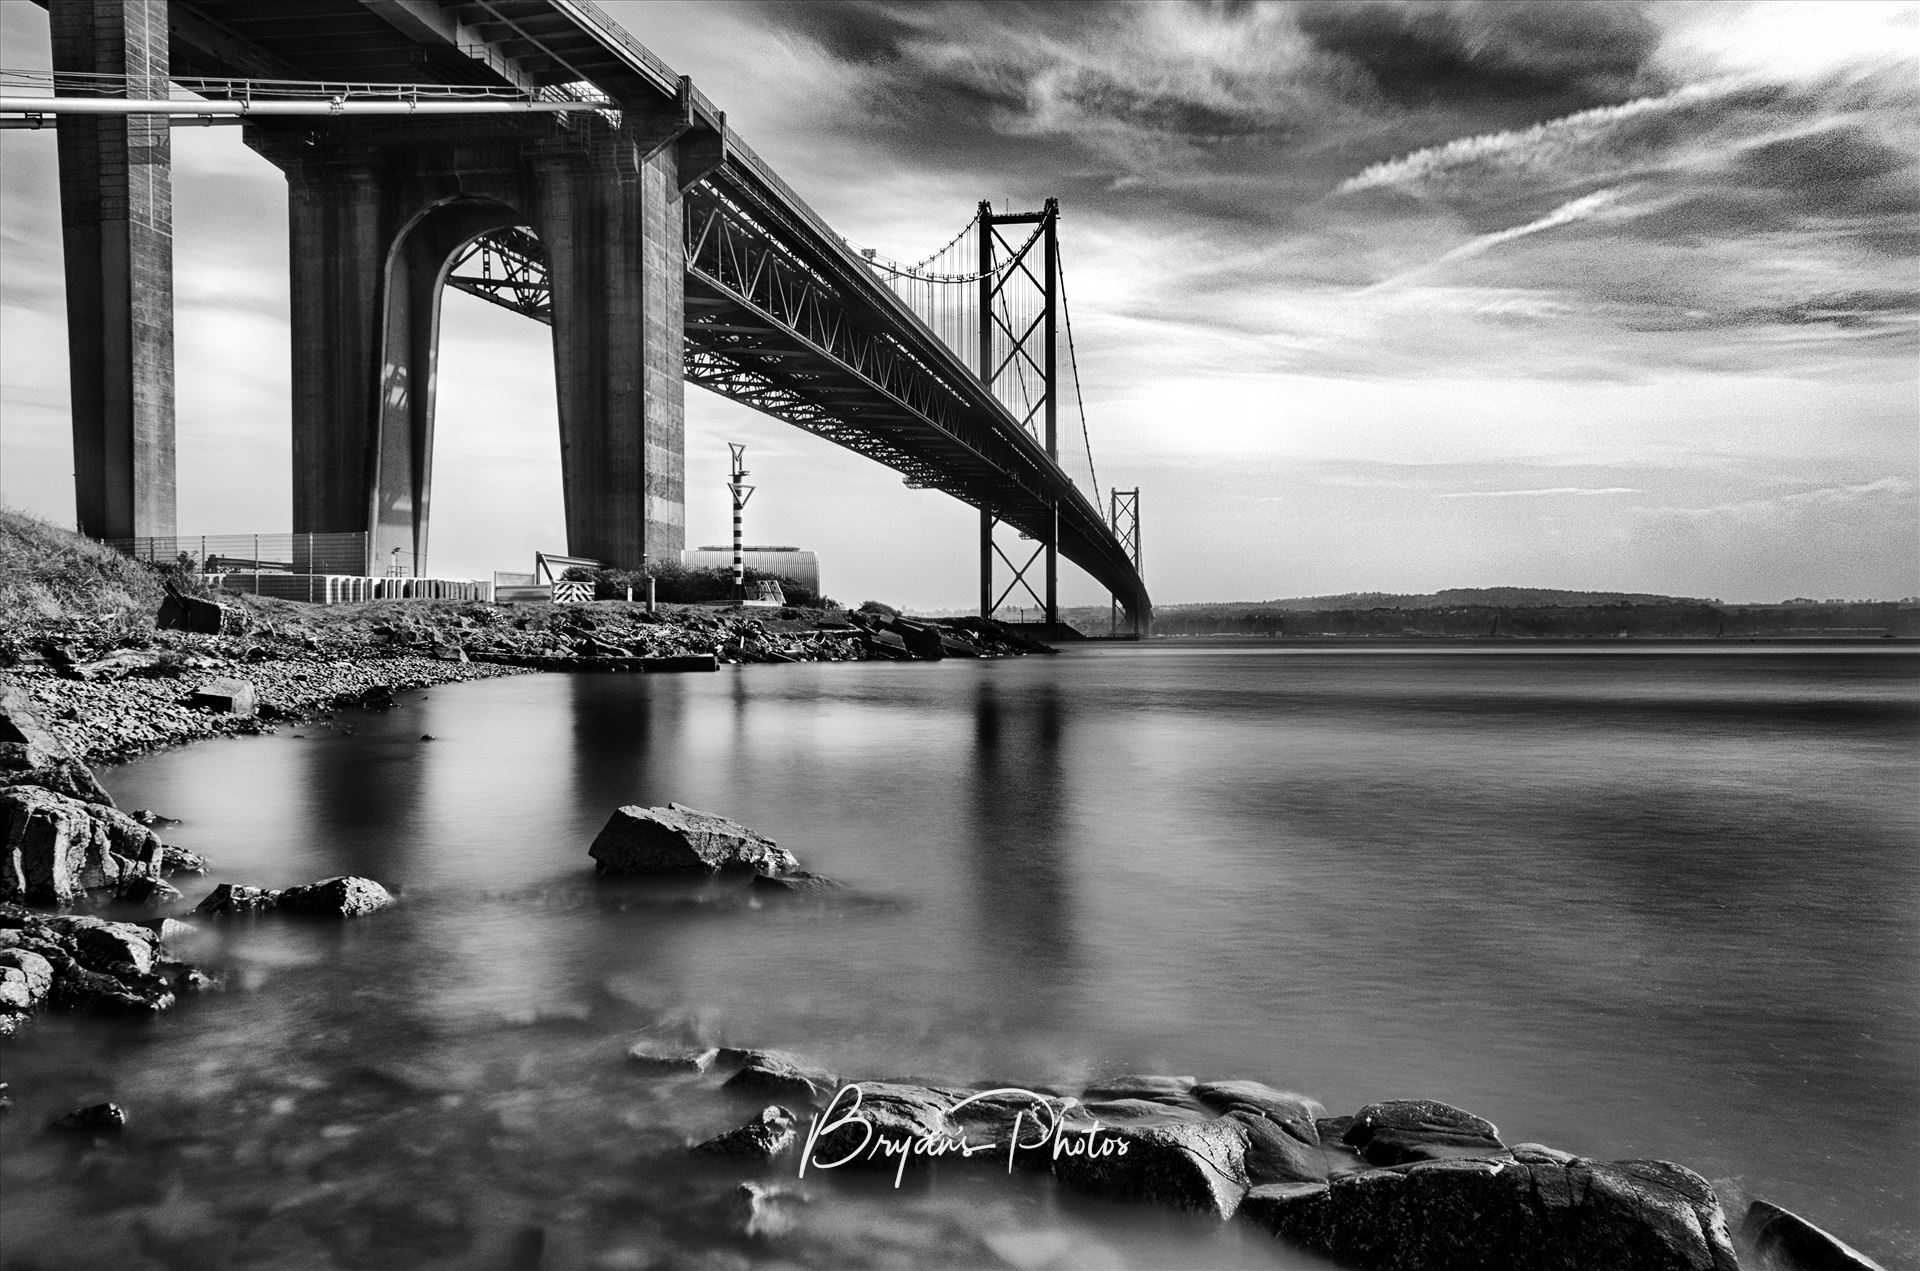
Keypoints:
pixel 377 210
pixel 116 216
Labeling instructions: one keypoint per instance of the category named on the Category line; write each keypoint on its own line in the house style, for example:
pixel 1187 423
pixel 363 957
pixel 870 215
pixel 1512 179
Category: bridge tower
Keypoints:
pixel 1125 520
pixel 1017 363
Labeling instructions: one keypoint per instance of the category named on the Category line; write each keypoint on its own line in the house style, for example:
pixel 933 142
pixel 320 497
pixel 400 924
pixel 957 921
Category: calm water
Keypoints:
pixel 1650 902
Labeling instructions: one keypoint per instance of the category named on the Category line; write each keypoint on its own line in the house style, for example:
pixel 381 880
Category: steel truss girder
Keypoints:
pixel 1019 575
pixel 772 323
pixel 511 273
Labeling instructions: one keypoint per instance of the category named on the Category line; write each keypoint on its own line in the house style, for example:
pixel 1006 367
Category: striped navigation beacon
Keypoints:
pixel 741 493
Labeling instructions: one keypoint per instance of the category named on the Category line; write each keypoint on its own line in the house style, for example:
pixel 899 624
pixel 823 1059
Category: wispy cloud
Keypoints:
pixel 1546 490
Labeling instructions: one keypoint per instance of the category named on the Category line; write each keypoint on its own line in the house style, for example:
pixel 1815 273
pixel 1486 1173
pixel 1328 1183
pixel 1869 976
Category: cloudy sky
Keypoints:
pixel 1367 296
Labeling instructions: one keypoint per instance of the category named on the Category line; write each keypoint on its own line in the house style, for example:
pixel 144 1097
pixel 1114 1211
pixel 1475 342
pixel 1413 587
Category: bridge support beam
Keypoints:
pixel 116 213
pixel 377 212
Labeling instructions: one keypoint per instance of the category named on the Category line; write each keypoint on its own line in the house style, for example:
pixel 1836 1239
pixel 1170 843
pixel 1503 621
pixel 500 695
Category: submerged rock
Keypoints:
pixel 1294 1113
pixel 661 1057
pixel 1782 1240
pixel 234 899
pixel 760 1212
pixel 1402 1130
pixel 96 1119
pixel 799 883
pixel 1192 1165
pixel 154 893
pixel 761 1139
pixel 54 848
pixel 1174 1091
pixel 777 1073
pixel 1533 1211
pixel 678 839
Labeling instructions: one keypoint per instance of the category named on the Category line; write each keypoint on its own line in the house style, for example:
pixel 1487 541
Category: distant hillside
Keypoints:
pixel 1452 598
pixel 1532 613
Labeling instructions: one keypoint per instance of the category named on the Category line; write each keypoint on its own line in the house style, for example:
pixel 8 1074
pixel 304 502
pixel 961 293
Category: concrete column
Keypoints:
pixel 611 231
pixel 340 228
pixel 116 214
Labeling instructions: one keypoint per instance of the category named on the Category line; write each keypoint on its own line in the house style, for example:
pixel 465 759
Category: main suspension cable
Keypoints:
pixel 1073 360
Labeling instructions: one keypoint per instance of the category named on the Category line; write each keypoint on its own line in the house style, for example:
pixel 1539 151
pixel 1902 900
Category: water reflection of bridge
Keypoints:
pixel 598 191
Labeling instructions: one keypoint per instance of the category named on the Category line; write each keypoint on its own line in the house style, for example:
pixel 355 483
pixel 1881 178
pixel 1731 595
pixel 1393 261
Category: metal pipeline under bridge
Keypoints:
pixel 34 109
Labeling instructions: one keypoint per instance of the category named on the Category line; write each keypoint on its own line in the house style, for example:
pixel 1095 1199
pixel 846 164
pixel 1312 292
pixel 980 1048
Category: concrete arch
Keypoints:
pixel 400 458
pixel 376 211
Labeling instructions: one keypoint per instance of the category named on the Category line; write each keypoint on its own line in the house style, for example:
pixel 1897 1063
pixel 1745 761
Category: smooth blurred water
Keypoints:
pixel 1628 901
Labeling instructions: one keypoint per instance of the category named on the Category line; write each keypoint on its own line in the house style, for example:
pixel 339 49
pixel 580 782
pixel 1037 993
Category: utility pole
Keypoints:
pixel 741 493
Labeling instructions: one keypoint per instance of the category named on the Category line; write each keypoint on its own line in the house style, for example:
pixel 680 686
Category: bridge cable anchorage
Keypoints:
pixel 1073 360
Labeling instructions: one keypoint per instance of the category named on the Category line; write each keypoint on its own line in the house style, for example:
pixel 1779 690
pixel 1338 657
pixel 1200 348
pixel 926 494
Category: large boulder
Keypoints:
pixel 1543 1211
pixel 877 1123
pixel 181 612
pixel 226 696
pixel 30 754
pixel 1402 1130
pixel 677 839
pixel 54 847
pixel 343 896
pixel 1782 1240
pixel 1185 1164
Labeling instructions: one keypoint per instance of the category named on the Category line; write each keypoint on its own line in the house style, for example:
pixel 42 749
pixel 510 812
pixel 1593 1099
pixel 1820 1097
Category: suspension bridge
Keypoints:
pixel 532 153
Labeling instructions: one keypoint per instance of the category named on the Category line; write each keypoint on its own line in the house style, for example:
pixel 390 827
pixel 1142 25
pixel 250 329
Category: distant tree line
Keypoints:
pixel 1607 621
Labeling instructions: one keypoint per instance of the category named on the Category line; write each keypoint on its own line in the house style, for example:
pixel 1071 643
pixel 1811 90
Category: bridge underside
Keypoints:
pixel 666 252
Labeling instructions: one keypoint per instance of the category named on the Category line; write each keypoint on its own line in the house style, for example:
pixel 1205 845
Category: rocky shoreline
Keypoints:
pixel 110 691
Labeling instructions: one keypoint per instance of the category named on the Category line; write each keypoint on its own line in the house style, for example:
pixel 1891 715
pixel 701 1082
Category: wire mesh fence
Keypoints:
pixel 260 553
pixel 318 568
